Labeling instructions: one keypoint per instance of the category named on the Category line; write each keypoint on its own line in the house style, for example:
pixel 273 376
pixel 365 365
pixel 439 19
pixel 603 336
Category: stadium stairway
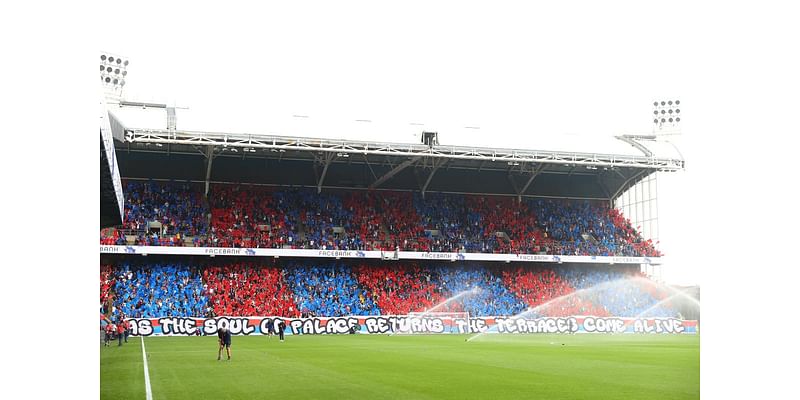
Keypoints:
pixel 589 238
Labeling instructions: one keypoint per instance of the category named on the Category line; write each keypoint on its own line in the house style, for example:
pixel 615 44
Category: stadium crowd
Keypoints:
pixel 482 291
pixel 323 288
pixel 328 290
pixel 586 229
pixel 248 289
pixel 163 214
pixel 154 290
pixel 535 286
pixel 620 293
pixel 300 218
pixel 243 216
pixel 112 236
pixel 399 291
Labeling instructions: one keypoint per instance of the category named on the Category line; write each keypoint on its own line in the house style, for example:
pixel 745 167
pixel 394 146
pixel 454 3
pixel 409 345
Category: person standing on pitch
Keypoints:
pixel 127 325
pixel 120 331
pixel 109 332
pixel 281 328
pixel 276 326
pixel 224 341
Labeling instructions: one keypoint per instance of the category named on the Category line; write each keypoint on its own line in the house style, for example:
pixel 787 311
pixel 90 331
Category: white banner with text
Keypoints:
pixel 388 324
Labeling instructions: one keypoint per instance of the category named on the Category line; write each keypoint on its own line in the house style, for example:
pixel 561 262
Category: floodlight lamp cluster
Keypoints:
pixel 113 71
pixel 666 112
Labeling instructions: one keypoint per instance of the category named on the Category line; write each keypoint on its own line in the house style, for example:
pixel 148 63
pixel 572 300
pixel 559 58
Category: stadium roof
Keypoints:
pixel 549 166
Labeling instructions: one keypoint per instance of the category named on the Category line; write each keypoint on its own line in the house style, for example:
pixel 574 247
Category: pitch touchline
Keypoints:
pixel 148 392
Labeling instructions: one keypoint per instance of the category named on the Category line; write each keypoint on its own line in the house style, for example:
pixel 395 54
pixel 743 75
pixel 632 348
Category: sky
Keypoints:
pixel 543 76
pixel 551 77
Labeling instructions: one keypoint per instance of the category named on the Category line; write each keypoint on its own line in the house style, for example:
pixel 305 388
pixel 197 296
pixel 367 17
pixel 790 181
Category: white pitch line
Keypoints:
pixel 149 393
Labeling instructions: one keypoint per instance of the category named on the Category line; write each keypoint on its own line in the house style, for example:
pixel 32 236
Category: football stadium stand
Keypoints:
pixel 154 290
pixel 247 289
pixel 199 287
pixel 245 216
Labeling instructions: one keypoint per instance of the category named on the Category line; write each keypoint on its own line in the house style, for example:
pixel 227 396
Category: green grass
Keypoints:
pixel 408 367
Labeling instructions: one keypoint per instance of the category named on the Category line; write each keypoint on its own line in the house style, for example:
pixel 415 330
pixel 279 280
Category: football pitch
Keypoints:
pixel 542 366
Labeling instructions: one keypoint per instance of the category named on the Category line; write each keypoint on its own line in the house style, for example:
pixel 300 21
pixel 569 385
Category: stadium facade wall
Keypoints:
pixel 404 255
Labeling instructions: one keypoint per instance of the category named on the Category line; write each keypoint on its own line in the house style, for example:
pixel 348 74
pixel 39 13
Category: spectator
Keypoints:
pixel 264 217
pixel 233 287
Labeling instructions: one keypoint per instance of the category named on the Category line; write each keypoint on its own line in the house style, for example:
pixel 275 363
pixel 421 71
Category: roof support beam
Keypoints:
pixel 513 184
pixel 396 150
pixel 603 187
pixel 631 140
pixel 536 171
pixel 366 160
pixel 209 159
pixel 394 171
pixel 571 169
pixel 436 166
pixel 625 186
pixel 328 159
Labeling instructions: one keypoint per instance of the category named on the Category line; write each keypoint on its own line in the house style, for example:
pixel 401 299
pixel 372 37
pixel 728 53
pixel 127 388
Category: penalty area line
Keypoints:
pixel 148 392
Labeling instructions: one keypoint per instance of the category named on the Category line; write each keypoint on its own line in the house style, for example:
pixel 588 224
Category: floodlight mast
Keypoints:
pixel 666 114
pixel 113 73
